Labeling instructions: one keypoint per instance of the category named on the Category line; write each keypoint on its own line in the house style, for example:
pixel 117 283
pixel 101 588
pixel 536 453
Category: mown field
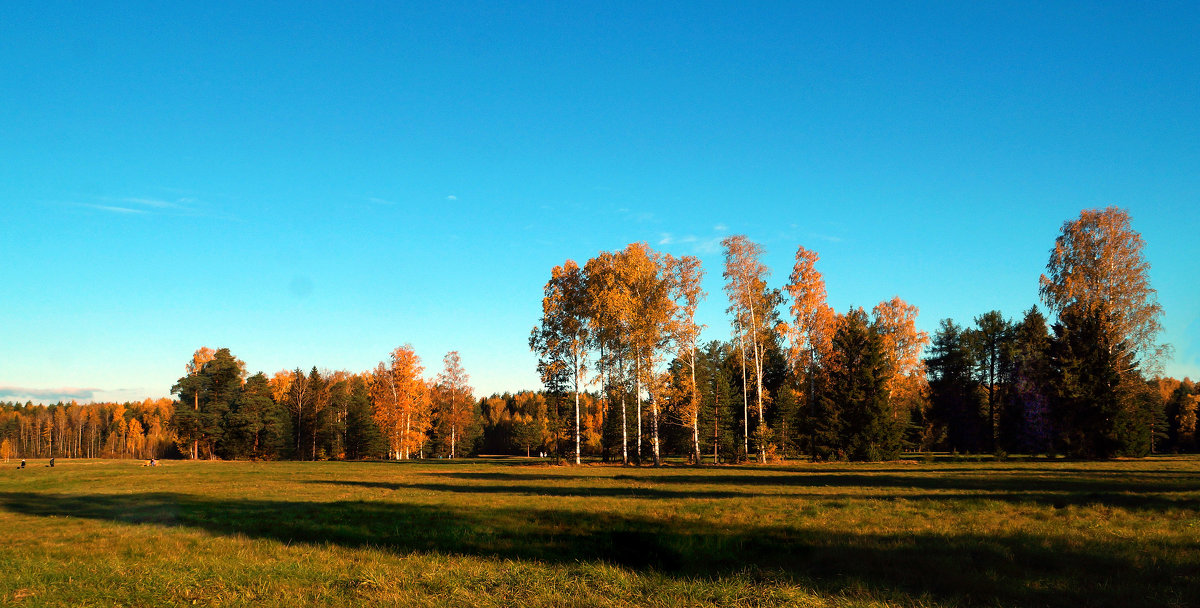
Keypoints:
pixel 514 532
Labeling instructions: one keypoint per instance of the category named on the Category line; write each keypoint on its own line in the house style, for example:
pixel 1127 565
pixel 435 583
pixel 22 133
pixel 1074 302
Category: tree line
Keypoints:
pixel 138 429
pixel 627 378
pixel 392 411
pixel 797 378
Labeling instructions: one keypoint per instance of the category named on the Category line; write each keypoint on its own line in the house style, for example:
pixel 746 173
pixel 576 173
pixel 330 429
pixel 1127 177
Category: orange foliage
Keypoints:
pixel 402 402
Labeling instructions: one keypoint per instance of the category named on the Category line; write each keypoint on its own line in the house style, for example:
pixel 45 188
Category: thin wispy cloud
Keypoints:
pixel 666 238
pixel 451 198
pixel 379 201
pixel 141 205
pixel 151 202
pixel 112 208
pixel 46 394
pixel 721 228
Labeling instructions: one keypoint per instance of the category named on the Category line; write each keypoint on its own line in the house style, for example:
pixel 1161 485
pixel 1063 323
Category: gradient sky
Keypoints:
pixel 317 184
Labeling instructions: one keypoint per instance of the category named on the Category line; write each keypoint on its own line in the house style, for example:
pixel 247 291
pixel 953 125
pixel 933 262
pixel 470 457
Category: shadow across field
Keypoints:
pixel 1162 491
pixel 961 569
pixel 542 490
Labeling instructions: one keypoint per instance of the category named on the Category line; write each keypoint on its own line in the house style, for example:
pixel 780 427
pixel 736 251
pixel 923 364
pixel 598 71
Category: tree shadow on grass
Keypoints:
pixel 960 569
pixel 1144 502
pixel 1036 480
pixel 490 461
pixel 542 490
pixel 1164 492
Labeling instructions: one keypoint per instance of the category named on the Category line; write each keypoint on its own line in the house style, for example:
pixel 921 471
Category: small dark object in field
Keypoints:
pixel 51 463
pixel 22 464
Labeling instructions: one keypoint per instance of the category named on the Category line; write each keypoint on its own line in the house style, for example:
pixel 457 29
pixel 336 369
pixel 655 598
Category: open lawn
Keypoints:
pixel 516 532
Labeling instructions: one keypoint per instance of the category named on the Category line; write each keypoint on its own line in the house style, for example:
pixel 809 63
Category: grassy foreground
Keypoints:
pixel 510 532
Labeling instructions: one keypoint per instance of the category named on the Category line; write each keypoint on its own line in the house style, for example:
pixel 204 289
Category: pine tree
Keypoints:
pixel 954 395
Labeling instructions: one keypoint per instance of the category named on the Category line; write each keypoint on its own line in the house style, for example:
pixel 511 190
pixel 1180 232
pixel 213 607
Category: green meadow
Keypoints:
pixel 508 532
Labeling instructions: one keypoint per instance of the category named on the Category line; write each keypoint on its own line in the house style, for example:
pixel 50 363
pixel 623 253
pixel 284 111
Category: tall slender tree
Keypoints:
pixel 456 404
pixel 991 346
pixel 810 333
pixel 752 305
pixel 610 316
pixel 401 398
pixel 1097 283
pixel 686 276
pixel 561 339
pixel 202 356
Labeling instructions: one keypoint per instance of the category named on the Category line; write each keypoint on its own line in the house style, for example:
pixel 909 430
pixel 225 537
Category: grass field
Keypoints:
pixel 513 532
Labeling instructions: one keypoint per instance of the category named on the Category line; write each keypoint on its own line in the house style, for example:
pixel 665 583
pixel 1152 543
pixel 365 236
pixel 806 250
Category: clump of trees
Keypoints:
pixel 833 386
pixel 628 379
pixel 136 429
pixel 389 412
pixel 811 381
pixel 1083 383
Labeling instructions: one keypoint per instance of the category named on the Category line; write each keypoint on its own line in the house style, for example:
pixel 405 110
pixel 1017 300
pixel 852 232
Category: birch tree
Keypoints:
pixel 401 399
pixel 752 305
pixel 561 339
pixel 610 316
pixel 456 402
pixel 813 323
pixel 651 314
pixel 686 275
pixel 1097 267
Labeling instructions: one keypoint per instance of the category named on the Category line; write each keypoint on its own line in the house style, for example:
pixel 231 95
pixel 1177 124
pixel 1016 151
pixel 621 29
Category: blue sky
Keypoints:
pixel 317 184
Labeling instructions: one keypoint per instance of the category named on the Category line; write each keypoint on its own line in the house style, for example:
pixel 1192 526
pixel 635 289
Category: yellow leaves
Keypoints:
pixel 896 322
pixel 280 384
pixel 455 398
pixel 815 321
pixel 1097 266
pixel 202 355
pixel 402 400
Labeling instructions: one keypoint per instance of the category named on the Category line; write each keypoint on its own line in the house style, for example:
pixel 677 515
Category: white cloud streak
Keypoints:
pixel 46 394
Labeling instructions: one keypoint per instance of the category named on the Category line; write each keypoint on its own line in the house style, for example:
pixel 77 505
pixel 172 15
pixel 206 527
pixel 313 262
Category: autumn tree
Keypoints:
pixel 135 438
pixel 455 403
pixel 813 321
pixel 298 399
pixel 531 414
pixel 651 313
pixel 686 275
pixel 1097 265
pixel 610 316
pixel 401 398
pixel 561 340
pixel 895 321
pixel 753 307
pixel 1097 283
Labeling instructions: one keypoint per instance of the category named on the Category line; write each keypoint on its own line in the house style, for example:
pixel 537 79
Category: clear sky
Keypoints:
pixel 316 184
